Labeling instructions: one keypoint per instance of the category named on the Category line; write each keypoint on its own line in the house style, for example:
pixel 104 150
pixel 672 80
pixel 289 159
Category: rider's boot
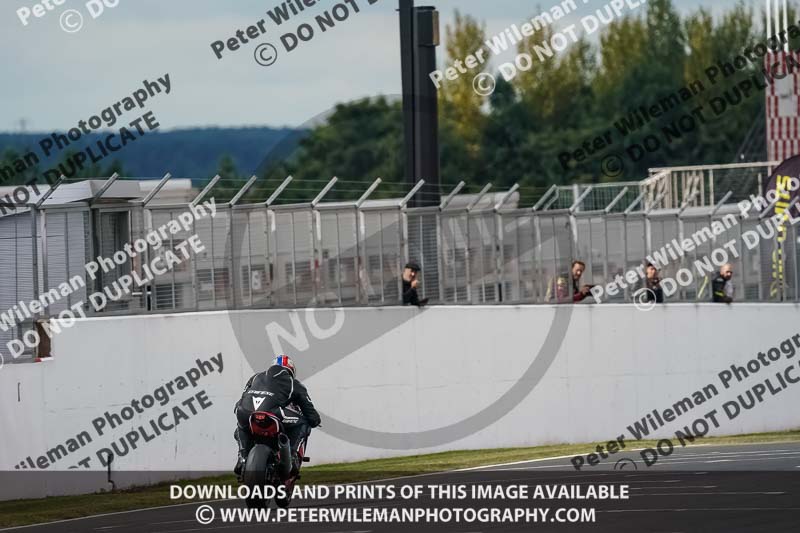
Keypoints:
pixel 239 468
pixel 244 441
pixel 296 460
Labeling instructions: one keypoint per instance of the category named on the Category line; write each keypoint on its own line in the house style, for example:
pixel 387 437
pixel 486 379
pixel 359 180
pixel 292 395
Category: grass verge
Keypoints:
pixel 26 512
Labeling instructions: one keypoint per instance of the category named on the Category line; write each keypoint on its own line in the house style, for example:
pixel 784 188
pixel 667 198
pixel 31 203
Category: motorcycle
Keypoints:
pixel 270 461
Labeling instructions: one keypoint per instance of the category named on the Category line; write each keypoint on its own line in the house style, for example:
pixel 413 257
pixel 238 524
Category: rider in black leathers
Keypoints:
pixel 276 390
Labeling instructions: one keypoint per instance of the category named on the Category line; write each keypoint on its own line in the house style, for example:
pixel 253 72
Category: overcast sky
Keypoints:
pixel 53 79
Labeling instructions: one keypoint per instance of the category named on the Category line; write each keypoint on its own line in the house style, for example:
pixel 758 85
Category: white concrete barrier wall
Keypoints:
pixel 407 381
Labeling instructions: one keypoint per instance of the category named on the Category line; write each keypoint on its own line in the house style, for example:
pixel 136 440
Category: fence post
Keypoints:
pixel 361 260
pixel 338 261
pixel 235 277
pixel 34 208
pixel 440 241
pixel 402 252
pixel 360 228
pixel 648 238
pixel 467 254
pixel 147 223
pixel 762 216
pixel 316 253
pixel 499 264
pixel 404 214
pixel 316 240
pixel 271 253
pixel 573 222
pixel 34 256
pixel 625 214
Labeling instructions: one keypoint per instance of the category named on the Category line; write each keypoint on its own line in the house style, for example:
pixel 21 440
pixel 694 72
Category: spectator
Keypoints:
pixel 410 284
pixel 578 294
pixel 559 288
pixel 651 285
pixel 722 287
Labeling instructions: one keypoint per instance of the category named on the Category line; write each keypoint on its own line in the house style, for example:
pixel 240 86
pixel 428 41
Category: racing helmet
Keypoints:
pixel 286 362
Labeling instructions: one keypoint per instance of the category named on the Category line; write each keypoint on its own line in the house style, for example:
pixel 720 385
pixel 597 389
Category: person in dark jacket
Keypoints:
pixel 650 286
pixel 410 285
pixel 579 293
pixel 722 286
pixel 275 389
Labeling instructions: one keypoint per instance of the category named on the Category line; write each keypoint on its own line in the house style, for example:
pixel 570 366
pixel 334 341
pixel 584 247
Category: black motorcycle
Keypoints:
pixel 270 461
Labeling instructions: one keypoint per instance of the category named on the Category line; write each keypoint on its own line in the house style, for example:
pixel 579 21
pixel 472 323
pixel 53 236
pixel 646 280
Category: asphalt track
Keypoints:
pixel 699 488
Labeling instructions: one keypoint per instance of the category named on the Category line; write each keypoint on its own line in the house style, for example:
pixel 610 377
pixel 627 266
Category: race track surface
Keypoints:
pixel 700 488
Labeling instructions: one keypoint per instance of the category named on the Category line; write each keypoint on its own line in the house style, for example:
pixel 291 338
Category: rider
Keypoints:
pixel 275 389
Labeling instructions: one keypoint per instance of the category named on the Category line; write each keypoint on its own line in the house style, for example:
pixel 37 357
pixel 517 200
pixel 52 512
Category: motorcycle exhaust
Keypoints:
pixel 285 461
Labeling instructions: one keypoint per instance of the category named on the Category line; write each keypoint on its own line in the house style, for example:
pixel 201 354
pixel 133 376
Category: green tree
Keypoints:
pixel 359 142
pixel 461 107
pixel 16 170
pixel 230 180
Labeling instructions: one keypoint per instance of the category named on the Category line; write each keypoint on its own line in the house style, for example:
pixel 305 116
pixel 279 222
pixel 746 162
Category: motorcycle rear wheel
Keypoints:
pixel 255 472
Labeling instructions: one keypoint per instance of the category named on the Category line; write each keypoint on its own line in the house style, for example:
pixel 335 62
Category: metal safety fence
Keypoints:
pixel 472 249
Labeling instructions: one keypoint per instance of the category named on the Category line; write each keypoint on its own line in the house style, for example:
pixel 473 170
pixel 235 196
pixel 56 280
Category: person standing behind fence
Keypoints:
pixel 650 285
pixel 578 294
pixel 559 288
pixel 410 285
pixel 722 288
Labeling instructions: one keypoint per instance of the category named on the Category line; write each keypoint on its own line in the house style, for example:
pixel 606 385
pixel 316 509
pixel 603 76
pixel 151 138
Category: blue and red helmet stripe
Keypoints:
pixel 285 362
